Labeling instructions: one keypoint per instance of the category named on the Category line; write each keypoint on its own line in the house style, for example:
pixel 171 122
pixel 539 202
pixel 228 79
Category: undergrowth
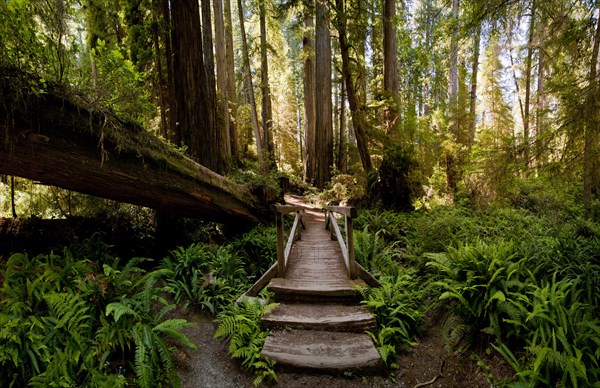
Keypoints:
pixel 522 280
pixel 69 321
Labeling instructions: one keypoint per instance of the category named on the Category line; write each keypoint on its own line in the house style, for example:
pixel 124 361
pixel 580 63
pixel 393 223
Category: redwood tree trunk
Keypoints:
pixel 451 158
pixel 222 81
pixel 195 114
pixel 213 134
pixel 266 109
pixel 231 89
pixel 357 109
pixel 526 108
pixel 473 94
pixel 310 156
pixel 323 119
pixel 592 131
pixel 249 84
pixel 390 67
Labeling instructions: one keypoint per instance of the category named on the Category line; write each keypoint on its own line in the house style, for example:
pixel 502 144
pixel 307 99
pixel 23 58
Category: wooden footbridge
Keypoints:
pixel 319 323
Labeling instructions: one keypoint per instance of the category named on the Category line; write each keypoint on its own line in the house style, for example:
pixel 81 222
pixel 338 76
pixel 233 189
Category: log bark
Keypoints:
pixel 62 140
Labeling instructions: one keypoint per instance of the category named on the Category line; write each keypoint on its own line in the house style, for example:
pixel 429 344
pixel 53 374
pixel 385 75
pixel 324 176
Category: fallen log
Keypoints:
pixel 61 139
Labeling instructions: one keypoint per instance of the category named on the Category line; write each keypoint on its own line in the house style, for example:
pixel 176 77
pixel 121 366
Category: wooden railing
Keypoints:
pixel 283 251
pixel 353 269
pixel 347 243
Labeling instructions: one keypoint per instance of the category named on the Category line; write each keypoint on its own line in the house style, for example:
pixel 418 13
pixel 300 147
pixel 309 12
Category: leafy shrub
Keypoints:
pixel 240 325
pixel 344 188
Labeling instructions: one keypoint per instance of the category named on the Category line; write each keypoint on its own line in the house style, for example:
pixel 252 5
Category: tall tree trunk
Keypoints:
pixel 168 37
pixel 526 108
pixel 160 84
pixel 357 108
pixel 342 151
pixel 451 158
pixel 214 131
pixel 426 86
pixel 12 197
pixel 194 116
pixel 249 84
pixel 222 75
pixel 473 94
pixel 390 67
pixel 592 128
pixel 266 108
pixel 540 125
pixel 231 89
pixel 323 119
pixel 310 155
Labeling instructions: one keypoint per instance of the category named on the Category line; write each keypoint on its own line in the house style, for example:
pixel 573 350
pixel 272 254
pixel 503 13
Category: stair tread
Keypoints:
pixel 335 317
pixel 311 286
pixel 322 350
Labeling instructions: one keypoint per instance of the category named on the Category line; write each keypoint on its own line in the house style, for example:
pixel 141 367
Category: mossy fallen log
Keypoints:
pixel 59 138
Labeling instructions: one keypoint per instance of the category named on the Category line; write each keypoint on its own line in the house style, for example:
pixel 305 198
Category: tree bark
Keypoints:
pixel 357 109
pixel 527 107
pixel 342 150
pixel 390 67
pixel 451 158
pixel 540 125
pixel 473 94
pixel 323 119
pixel 160 84
pixel 195 107
pixel 63 142
pixel 590 152
pixel 266 108
pixel 249 84
pixel 213 134
pixel 168 36
pixel 222 81
pixel 310 156
pixel 231 89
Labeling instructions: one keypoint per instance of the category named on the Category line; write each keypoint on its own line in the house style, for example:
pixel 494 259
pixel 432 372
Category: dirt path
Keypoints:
pixel 211 367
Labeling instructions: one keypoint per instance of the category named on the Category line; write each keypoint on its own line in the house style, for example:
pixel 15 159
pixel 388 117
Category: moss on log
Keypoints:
pixel 59 138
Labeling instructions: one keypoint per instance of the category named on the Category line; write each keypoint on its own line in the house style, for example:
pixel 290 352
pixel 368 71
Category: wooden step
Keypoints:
pixel 316 290
pixel 322 350
pixel 330 317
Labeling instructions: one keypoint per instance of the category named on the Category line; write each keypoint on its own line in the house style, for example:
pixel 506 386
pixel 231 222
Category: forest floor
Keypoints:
pixel 427 364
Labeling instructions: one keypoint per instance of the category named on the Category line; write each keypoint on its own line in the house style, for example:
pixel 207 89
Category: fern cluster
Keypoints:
pixel 399 310
pixel 66 322
pixel 205 277
pixel 240 325
pixel 524 281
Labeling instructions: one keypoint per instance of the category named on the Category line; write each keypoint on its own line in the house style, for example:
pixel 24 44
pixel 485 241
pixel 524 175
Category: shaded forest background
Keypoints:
pixel 411 103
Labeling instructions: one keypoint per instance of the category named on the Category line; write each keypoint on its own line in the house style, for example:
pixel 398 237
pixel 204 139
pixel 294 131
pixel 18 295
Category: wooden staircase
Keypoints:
pixel 319 324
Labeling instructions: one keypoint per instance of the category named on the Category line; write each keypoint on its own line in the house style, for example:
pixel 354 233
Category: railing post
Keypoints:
pixel 280 243
pixel 350 245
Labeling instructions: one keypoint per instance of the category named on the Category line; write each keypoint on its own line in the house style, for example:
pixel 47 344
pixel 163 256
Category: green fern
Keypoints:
pixel 240 324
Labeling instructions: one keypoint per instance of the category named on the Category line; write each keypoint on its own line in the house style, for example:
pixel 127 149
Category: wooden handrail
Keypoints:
pixel 347 245
pixel 283 252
